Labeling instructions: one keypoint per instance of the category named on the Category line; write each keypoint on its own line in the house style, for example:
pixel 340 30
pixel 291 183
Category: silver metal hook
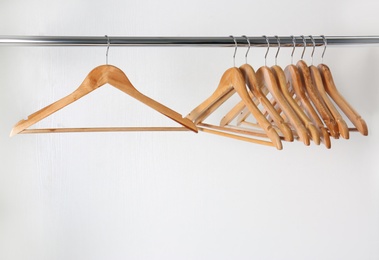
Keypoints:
pixel 325 44
pixel 268 47
pixel 277 52
pixel 108 44
pixel 235 50
pixel 248 49
pixel 305 45
pixel 314 46
pixel 294 46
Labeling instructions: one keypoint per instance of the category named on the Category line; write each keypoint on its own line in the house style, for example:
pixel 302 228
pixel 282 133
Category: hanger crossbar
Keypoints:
pixel 102 129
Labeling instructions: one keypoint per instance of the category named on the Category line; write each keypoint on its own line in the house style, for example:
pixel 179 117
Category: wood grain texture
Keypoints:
pixel 266 79
pixel 233 81
pixel 332 90
pixel 300 128
pixel 317 81
pixel 252 83
pixel 98 77
pixel 317 101
pixel 102 129
pixel 296 84
pixel 288 93
pixel 258 98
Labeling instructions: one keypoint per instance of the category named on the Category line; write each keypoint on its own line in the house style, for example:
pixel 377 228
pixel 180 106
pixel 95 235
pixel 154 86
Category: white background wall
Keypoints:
pixel 179 195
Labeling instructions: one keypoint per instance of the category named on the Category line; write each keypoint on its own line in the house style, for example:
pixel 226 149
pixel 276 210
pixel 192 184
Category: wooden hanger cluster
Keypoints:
pixel 285 105
pixel 300 102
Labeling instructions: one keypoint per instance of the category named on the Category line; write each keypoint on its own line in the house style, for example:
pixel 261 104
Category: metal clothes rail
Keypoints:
pixel 255 41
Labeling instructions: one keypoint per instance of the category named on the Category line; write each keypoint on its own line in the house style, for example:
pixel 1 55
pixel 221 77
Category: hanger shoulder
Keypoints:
pixel 349 111
pixel 295 119
pixel 250 76
pixel 232 81
pixel 296 84
pixel 240 88
pixel 317 81
pixel 41 114
pixel 224 88
pixel 92 81
pixel 117 78
pixel 288 92
pixel 96 78
pixel 266 77
pixel 316 100
pixel 252 83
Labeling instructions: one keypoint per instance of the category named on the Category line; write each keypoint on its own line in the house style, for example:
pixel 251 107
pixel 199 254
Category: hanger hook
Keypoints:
pixel 277 52
pixel 305 45
pixel 235 50
pixel 325 44
pixel 108 44
pixel 294 46
pixel 314 46
pixel 268 48
pixel 248 49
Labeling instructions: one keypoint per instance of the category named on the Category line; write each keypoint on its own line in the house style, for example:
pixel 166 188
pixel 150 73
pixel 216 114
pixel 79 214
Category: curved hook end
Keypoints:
pixel 268 48
pixel 235 50
pixel 325 44
pixel 108 44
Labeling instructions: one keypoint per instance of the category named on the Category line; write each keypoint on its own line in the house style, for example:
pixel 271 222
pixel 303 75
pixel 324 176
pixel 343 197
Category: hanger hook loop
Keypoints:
pixel 314 46
pixel 325 44
pixel 248 49
pixel 293 49
pixel 268 48
pixel 108 44
pixel 305 45
pixel 235 50
pixel 277 52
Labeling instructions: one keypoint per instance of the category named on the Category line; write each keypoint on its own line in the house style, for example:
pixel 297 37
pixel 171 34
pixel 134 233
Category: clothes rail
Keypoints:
pixel 255 41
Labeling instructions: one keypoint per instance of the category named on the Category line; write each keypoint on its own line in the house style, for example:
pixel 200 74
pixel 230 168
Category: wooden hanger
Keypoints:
pixel 316 99
pixel 266 79
pixel 96 78
pixel 317 81
pixel 348 110
pixel 258 98
pixel 301 125
pixel 295 85
pixel 233 81
pixel 288 93
pixel 266 83
pixel 287 107
pixel 319 88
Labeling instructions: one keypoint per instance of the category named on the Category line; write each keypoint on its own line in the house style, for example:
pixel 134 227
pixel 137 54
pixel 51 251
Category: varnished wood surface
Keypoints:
pixel 300 128
pixel 98 77
pixel 101 129
pixel 317 101
pixel 252 83
pixel 230 133
pixel 313 82
pixel 267 80
pixel 295 80
pixel 317 81
pixel 348 110
pixel 288 93
pixel 233 81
